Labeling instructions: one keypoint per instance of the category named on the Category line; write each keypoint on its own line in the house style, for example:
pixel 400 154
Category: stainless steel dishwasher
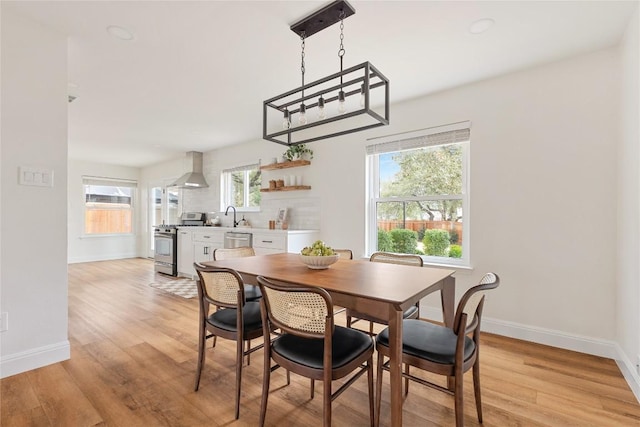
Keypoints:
pixel 236 239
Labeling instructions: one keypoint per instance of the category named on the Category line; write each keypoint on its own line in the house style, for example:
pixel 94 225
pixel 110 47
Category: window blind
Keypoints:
pixel 242 168
pixel 439 135
pixel 110 182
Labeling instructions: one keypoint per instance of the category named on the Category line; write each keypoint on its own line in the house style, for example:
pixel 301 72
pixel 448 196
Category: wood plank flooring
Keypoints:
pixel 133 357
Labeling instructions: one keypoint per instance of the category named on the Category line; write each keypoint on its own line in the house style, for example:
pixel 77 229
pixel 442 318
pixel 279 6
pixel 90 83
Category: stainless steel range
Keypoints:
pixel 166 242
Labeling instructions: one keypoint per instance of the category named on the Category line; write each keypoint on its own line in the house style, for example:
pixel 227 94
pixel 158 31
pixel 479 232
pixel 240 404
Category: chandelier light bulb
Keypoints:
pixel 286 123
pixel 342 108
pixel 302 117
pixel 362 97
pixel 322 113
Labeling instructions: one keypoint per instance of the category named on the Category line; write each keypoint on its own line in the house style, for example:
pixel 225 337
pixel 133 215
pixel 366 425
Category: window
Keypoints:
pixel 108 205
pixel 418 194
pixel 241 187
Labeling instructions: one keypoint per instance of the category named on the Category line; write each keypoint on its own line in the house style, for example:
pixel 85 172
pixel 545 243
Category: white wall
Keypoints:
pixel 628 267
pixel 543 166
pixel 97 248
pixel 34 219
pixel 543 209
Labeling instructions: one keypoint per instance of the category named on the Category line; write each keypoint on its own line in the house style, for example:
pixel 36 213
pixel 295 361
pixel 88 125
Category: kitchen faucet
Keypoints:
pixel 226 213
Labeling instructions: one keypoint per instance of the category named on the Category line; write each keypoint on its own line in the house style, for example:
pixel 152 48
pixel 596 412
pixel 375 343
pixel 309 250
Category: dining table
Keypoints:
pixel 378 289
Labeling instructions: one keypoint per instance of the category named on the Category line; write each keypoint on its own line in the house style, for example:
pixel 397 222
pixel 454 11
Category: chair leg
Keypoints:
pixel 248 354
pixel 476 389
pixel 372 416
pixel 371 328
pixel 201 356
pixel 266 377
pixel 239 363
pixel 458 395
pixel 378 389
pixel 406 379
pixel 313 388
pixel 326 403
pixel 348 321
pixel 214 341
pixel 288 377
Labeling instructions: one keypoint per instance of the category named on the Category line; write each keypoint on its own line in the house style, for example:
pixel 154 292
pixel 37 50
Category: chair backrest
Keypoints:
pixel 298 310
pixel 471 304
pixel 391 258
pixel 226 253
pixel 222 287
pixel 344 253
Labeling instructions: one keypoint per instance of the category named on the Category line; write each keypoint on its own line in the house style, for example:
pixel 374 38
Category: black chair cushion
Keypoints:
pixel 347 344
pixel 225 318
pixel 428 341
pixel 252 293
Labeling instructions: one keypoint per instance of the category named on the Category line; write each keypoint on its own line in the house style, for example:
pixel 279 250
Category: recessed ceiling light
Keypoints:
pixel 481 25
pixel 120 32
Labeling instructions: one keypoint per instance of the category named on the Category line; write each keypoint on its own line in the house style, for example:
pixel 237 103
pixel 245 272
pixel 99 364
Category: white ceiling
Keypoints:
pixel 196 74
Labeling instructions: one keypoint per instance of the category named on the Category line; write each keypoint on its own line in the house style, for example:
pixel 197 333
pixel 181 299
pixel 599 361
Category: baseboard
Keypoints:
pixel 629 372
pixel 93 258
pixel 17 363
pixel 554 338
pixel 538 335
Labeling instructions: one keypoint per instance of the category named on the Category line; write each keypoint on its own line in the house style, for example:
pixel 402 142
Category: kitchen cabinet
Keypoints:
pixel 274 242
pixel 204 243
pixel 185 253
pixel 196 246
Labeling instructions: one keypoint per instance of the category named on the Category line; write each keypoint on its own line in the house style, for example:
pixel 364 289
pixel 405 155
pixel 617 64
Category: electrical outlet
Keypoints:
pixel 4 321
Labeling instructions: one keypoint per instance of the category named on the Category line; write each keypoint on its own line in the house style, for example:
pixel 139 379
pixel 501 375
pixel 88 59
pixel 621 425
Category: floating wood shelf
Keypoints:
pixel 285 165
pixel 289 188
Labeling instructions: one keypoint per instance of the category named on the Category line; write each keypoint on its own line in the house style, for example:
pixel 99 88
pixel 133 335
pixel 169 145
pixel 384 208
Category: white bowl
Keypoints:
pixel 318 262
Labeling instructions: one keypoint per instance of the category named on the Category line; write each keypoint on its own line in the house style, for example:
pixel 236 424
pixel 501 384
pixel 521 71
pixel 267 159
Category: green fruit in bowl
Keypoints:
pixel 318 249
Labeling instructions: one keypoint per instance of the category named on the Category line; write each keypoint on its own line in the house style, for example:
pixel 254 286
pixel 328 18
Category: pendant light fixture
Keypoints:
pixel 351 100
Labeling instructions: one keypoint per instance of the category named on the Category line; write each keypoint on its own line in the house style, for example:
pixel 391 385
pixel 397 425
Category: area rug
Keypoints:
pixel 184 288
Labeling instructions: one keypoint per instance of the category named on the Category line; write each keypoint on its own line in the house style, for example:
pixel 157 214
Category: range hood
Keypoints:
pixel 194 178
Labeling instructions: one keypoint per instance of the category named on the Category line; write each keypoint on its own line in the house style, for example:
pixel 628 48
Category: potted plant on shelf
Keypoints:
pixel 296 152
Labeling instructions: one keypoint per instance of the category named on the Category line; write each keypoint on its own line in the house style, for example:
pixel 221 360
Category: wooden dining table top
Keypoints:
pixel 399 285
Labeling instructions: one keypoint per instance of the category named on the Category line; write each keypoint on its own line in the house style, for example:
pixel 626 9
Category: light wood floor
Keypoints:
pixel 133 357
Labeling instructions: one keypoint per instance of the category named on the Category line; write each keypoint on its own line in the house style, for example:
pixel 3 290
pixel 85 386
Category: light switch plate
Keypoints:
pixel 39 177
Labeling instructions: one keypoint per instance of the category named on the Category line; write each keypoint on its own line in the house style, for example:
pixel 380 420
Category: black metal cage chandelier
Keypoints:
pixel 351 100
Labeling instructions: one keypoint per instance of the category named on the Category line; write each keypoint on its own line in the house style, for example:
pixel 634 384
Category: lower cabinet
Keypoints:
pixel 275 243
pixel 196 246
pixel 269 243
pixel 185 253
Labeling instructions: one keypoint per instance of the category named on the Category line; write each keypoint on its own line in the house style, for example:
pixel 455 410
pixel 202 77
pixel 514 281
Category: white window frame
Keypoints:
pixel 458 133
pixel 109 182
pixel 225 190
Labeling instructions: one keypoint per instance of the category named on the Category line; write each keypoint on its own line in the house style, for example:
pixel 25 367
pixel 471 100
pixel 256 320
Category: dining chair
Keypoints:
pixel 442 350
pixel 389 258
pixel 344 253
pixel 251 292
pixel 235 319
pixel 311 345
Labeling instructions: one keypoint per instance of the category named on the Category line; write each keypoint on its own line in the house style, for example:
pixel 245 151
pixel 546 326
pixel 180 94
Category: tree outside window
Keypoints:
pixel 419 200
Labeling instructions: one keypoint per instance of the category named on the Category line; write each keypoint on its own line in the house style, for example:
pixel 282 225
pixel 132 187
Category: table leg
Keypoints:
pixel 448 297
pixel 395 365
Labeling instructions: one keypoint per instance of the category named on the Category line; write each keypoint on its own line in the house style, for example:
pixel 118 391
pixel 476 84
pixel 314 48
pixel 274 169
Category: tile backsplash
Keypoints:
pixel 303 210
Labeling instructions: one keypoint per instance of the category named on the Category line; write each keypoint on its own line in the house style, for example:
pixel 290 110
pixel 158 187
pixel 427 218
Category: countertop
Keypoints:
pixel 246 229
